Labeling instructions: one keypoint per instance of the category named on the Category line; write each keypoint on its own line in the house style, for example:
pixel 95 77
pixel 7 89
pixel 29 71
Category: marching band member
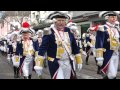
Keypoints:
pixel 9 48
pixel 87 46
pixel 107 44
pixel 40 36
pixel 74 29
pixel 26 51
pixel 84 44
pixel 12 49
pixel 3 46
pixel 60 44
pixel 117 25
pixel 90 43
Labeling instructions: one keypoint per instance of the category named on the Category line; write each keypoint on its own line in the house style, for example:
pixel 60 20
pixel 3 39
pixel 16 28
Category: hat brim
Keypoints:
pixel 26 31
pixel 39 31
pixel 108 13
pixel 58 15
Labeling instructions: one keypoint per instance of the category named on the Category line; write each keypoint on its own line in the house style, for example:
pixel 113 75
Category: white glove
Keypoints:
pixel 91 46
pixel 85 45
pixel 100 61
pixel 20 56
pixel 84 53
pixel 79 66
pixel 38 70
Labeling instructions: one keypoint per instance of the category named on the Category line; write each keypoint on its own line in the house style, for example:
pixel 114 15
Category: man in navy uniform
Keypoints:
pixel 90 40
pixel 11 52
pixel 25 52
pixel 107 45
pixel 60 45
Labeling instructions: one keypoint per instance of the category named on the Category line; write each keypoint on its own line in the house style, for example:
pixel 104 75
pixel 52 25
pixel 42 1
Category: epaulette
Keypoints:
pixel 101 28
pixel 47 31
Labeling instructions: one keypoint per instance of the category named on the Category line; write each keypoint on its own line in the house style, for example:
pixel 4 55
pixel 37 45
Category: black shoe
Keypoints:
pixel 29 76
pixel 17 76
pixel 17 73
pixel 25 77
pixel 106 77
pixel 114 78
pixel 98 72
pixel 45 65
pixel 118 69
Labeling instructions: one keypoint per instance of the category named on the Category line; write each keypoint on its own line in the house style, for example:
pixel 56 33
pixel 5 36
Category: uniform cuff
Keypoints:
pixel 36 53
pixel 99 52
pixel 78 58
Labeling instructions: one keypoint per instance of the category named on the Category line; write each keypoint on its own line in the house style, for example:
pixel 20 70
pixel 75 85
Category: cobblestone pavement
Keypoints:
pixel 87 72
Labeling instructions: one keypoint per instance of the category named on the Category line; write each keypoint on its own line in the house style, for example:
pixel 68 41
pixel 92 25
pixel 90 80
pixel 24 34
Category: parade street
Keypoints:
pixel 88 71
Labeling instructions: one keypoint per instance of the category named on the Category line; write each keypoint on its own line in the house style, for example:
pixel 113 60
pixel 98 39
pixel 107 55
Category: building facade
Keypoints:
pixel 39 19
pixel 11 18
pixel 85 19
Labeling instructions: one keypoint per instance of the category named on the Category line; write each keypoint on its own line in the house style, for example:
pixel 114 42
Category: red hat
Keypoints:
pixel 26 25
pixel 26 28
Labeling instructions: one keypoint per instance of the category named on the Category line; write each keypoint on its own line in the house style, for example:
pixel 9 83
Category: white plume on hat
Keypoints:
pixel 74 28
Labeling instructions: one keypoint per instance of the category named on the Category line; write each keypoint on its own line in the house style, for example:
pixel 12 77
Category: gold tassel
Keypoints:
pixel 17 59
pixel 113 43
pixel 39 60
pixel 50 59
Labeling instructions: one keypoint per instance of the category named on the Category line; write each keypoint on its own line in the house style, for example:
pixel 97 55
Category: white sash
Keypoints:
pixel 65 46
